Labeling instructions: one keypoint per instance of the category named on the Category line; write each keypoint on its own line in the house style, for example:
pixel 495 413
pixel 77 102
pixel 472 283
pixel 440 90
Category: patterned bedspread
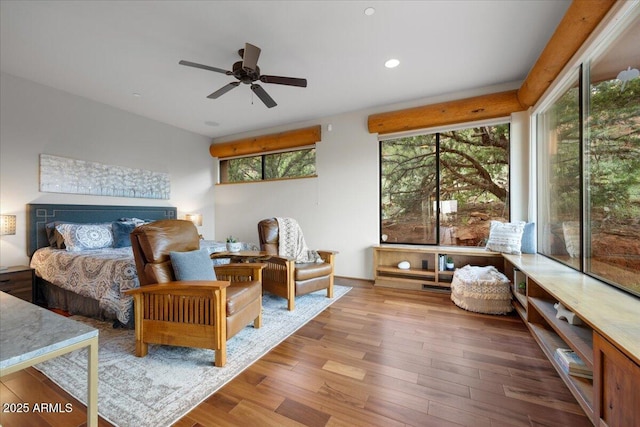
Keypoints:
pixel 100 274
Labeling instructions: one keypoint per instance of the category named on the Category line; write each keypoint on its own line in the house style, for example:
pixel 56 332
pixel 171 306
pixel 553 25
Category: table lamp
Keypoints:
pixel 7 227
pixel 196 219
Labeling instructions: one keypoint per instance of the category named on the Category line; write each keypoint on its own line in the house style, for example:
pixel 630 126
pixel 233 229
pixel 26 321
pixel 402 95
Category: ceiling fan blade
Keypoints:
pixel 290 81
pixel 204 67
pixel 263 95
pixel 250 57
pixel 224 89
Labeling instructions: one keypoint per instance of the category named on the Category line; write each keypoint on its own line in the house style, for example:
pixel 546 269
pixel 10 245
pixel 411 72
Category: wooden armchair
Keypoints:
pixel 284 277
pixel 202 314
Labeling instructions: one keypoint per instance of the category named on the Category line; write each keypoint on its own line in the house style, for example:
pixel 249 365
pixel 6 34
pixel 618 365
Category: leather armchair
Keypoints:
pixel 189 313
pixel 283 277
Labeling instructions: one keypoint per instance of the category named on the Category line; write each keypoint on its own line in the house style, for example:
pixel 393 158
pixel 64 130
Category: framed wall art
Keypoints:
pixel 64 175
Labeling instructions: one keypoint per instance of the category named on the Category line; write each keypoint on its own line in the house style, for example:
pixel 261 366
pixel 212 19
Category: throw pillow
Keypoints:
pixel 529 238
pixel 136 221
pixel 506 237
pixel 80 237
pixel 571 232
pixel 53 236
pixel 121 232
pixel 192 265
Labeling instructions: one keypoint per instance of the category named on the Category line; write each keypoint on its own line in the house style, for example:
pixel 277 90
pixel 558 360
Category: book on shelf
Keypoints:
pixel 571 363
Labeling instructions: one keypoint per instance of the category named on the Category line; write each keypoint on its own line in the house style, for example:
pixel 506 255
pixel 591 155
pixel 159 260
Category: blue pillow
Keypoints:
pixel 121 232
pixel 529 239
pixel 193 265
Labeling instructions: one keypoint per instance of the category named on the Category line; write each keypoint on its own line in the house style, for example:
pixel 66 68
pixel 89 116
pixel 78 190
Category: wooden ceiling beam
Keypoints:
pixel 582 17
pixel 459 111
pixel 578 23
pixel 265 143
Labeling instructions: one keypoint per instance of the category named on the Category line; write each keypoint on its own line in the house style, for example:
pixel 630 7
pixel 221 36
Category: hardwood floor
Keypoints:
pixel 377 357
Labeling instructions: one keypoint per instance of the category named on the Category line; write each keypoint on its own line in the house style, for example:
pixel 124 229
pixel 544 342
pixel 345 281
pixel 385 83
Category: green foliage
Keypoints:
pixel 245 169
pixel 288 164
pixel 561 135
pixel 473 166
pixel 612 147
pixel 408 174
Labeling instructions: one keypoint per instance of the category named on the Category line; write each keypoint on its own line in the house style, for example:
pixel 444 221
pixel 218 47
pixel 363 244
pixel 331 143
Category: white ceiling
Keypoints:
pixel 109 50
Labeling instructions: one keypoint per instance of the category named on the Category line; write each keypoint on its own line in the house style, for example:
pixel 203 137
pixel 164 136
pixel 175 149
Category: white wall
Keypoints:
pixel 519 156
pixel 340 209
pixel 36 119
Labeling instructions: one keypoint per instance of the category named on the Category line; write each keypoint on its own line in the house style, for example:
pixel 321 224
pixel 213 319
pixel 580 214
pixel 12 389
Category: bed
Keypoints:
pixel 87 282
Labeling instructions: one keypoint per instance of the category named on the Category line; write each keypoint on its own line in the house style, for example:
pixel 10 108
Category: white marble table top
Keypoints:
pixel 28 331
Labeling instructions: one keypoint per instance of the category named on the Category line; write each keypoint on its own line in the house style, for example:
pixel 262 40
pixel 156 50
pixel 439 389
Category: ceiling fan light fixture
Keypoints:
pixel 392 63
pixel 248 72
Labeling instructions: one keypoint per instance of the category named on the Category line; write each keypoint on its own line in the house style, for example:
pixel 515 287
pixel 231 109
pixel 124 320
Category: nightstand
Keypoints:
pixel 18 281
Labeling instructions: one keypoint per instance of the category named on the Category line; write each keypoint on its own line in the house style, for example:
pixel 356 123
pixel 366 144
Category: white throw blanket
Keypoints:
pixel 292 244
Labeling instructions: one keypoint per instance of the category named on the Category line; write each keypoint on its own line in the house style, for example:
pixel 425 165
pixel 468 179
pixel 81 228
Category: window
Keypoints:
pixel 282 165
pixel 612 165
pixel 443 188
pixel 559 208
pixel 589 167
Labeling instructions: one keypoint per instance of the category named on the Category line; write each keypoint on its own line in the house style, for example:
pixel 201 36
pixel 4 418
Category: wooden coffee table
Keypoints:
pixel 242 256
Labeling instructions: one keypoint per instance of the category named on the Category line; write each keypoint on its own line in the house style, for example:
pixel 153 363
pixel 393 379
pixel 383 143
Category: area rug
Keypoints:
pixel 162 387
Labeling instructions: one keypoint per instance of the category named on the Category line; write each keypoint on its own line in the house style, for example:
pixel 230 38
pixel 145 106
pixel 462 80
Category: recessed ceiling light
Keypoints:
pixel 136 95
pixel 369 11
pixel 211 123
pixel 392 63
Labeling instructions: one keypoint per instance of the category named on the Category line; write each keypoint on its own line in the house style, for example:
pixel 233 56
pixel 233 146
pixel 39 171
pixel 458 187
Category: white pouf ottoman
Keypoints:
pixel 481 290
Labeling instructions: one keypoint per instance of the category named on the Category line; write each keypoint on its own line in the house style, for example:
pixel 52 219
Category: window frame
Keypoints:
pixel 224 164
pixel 437 131
pixel 581 64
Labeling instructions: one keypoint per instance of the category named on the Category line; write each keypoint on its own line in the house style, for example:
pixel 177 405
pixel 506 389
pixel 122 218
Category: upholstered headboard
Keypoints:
pixel 41 214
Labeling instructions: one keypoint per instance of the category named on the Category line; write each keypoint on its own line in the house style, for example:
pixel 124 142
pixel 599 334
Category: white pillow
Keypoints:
pixel 571 232
pixel 506 237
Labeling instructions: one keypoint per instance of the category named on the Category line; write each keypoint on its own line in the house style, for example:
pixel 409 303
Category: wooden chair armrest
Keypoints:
pixel 191 287
pixel 288 262
pixel 327 256
pixel 252 270
pixel 280 259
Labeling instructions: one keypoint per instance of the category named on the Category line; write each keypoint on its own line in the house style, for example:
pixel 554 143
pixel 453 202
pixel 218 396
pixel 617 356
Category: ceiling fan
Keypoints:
pixel 248 72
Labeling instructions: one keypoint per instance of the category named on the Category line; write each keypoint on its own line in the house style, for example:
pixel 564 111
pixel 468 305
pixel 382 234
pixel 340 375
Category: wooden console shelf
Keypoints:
pixel 607 341
pixel 387 257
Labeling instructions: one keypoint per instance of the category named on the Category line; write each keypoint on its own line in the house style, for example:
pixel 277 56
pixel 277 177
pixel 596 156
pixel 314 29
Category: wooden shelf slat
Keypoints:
pixel 386 258
pixel 581 388
pixel 579 337
pixel 522 299
pixel 522 312
pixel 410 272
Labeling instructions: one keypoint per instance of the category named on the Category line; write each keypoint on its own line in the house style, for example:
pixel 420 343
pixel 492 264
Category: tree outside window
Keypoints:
pixel 444 188
pixel 289 164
